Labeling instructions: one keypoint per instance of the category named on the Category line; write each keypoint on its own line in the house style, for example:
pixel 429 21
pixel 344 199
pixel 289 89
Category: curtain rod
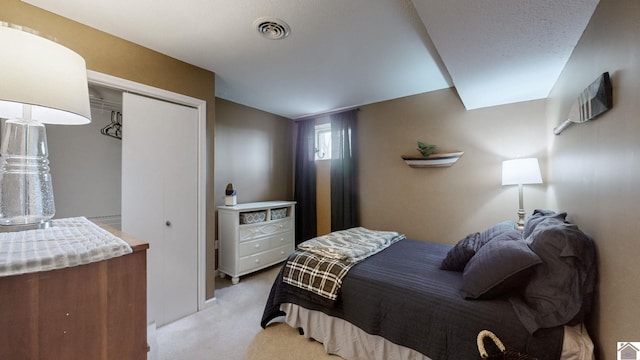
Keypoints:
pixel 326 113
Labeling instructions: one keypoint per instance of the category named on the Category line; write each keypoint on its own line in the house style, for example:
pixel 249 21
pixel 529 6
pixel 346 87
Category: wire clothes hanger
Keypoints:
pixel 114 128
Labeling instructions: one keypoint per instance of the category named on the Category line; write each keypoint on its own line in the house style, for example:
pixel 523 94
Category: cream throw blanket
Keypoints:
pixel 351 245
pixel 69 242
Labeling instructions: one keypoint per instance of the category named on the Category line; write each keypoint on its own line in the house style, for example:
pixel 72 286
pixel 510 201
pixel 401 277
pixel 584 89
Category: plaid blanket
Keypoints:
pixel 320 264
pixel 320 275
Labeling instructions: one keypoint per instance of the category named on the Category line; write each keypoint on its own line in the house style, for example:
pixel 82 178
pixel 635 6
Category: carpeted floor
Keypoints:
pixel 282 342
pixel 230 329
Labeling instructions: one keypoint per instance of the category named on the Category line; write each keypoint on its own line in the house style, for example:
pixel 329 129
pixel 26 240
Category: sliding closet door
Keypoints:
pixel 159 200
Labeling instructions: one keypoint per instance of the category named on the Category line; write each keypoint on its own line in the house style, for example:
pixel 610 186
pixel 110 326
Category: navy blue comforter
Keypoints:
pixel 402 295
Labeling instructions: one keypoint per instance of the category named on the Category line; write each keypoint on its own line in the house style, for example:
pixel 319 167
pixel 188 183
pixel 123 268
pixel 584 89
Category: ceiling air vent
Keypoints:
pixel 272 28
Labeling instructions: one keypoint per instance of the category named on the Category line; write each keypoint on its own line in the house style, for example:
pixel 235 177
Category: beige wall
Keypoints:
pixel 323 196
pixel 445 204
pixel 111 55
pixel 595 167
pixel 254 151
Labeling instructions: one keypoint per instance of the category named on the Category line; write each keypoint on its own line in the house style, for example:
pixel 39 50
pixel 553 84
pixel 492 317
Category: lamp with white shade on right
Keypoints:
pixel 521 172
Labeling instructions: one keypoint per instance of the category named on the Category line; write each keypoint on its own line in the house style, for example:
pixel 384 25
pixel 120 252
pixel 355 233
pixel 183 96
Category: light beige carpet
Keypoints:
pixel 230 329
pixel 282 342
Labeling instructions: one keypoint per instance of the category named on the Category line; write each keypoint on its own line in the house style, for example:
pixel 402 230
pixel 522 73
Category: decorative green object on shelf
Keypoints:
pixel 428 157
pixel 425 149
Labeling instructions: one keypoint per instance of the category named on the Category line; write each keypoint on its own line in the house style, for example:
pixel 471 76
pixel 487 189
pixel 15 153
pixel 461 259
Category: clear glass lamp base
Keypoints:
pixel 45 224
pixel 26 191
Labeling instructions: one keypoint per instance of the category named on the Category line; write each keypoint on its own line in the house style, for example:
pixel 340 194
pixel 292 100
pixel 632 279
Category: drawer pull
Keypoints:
pixel 257 246
pixel 257 261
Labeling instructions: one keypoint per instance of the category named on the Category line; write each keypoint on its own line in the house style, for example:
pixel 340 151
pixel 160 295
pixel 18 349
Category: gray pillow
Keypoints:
pixel 540 216
pixel 507 226
pixel 461 253
pixel 499 267
pixel 458 257
pixel 561 289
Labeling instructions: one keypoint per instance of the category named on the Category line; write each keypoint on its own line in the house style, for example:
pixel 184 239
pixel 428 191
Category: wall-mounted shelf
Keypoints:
pixel 433 160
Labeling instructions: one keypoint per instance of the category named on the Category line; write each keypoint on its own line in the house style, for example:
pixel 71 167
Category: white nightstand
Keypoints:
pixel 253 236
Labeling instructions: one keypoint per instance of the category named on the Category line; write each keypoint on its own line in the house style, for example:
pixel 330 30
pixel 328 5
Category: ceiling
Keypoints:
pixel 346 53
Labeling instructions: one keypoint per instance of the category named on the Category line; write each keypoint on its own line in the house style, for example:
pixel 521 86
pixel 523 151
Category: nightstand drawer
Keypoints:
pixel 253 247
pixel 265 258
pixel 254 231
pixel 247 248
pixel 281 240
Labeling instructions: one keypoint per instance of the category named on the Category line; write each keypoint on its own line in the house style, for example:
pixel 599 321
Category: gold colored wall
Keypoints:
pixel 595 166
pixel 445 204
pixel 114 56
pixel 254 151
pixel 323 196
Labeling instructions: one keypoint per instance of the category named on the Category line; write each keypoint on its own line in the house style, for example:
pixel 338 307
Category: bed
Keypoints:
pixel 424 300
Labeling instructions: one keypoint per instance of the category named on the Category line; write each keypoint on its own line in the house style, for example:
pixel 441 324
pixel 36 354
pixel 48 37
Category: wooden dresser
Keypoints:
pixel 253 236
pixel 93 311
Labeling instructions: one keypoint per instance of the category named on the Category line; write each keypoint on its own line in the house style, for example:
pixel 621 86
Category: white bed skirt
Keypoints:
pixel 356 344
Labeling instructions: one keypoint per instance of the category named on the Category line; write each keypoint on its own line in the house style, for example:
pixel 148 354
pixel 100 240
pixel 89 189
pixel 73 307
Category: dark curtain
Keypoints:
pixel 345 212
pixel 305 182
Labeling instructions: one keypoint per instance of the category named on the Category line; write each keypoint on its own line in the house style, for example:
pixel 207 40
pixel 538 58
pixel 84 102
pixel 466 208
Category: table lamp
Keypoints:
pixel 40 82
pixel 521 172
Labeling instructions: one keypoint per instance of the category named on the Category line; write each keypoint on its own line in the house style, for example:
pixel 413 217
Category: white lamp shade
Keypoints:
pixel 46 75
pixel 521 171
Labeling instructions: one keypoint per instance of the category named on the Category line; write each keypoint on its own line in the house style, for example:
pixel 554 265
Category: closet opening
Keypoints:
pixel 86 164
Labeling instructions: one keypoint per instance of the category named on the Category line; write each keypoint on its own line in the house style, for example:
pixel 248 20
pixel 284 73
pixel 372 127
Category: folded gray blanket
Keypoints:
pixel 351 245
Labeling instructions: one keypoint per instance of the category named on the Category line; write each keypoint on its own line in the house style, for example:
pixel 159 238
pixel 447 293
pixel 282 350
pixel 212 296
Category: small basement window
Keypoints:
pixel 323 141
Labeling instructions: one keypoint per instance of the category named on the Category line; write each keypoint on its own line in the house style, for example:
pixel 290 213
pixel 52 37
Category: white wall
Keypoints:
pixel 85 168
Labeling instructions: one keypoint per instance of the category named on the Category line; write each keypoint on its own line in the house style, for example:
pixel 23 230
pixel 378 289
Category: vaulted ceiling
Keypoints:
pixel 345 53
